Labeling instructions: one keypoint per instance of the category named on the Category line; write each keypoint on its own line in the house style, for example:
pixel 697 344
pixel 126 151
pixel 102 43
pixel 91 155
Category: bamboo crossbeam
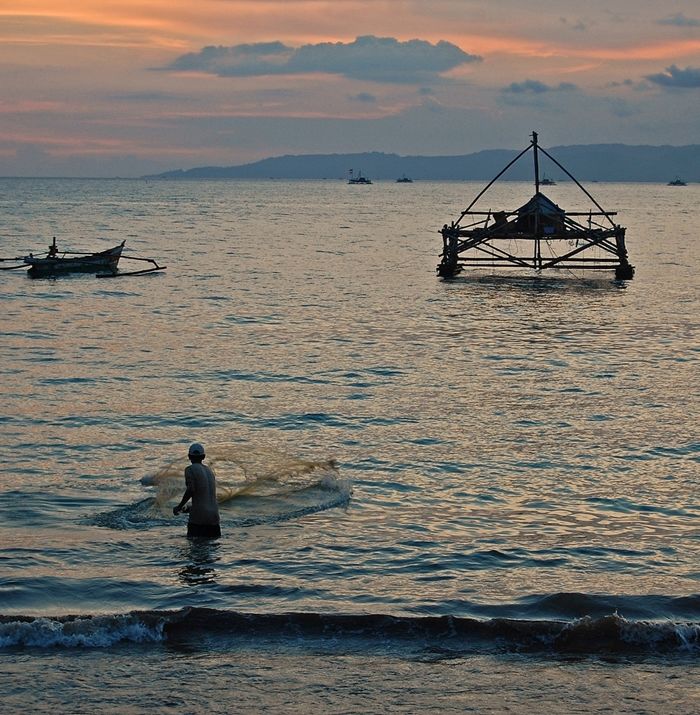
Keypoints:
pixel 485 263
pixel 501 256
pixel 581 236
pixel 566 213
pixel 528 259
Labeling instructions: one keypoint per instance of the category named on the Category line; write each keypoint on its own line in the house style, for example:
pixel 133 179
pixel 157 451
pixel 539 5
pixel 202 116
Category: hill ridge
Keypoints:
pixel 588 162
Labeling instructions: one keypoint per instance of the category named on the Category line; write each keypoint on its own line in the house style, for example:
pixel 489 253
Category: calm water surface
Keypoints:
pixel 514 520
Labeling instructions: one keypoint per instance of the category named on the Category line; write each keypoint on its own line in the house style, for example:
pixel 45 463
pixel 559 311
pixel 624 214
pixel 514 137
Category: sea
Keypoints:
pixel 477 495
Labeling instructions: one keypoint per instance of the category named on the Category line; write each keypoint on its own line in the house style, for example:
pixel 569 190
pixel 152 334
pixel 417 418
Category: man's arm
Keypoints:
pixel 185 498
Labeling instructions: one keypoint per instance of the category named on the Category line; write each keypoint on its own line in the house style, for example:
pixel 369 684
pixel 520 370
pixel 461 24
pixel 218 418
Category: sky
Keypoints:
pixel 131 87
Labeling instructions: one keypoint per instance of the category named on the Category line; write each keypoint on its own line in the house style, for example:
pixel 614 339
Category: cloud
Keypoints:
pixel 533 86
pixel 674 76
pixel 377 59
pixel 239 60
pixel 363 97
pixel 623 83
pixel 143 97
pixel 679 20
pixel 577 25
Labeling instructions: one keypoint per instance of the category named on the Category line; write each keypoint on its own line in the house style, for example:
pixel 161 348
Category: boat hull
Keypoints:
pixel 51 266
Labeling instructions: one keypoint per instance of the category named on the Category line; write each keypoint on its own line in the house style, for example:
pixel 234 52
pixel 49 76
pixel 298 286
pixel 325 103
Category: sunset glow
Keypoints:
pixel 91 75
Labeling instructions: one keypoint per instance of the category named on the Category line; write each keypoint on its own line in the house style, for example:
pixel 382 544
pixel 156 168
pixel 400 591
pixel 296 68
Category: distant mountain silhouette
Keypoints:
pixel 593 162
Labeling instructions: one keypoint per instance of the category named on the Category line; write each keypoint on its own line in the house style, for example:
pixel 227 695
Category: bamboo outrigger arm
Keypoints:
pixel 120 274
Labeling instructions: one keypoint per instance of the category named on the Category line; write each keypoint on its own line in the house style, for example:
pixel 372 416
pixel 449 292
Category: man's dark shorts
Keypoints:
pixel 206 531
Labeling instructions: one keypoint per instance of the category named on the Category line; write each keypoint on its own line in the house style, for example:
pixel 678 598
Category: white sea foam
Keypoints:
pixel 90 632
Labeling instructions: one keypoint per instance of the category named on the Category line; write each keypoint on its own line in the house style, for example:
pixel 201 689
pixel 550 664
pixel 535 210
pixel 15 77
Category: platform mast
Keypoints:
pixel 538 231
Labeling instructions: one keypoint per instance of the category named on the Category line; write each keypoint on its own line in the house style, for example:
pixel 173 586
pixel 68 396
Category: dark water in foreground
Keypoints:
pixel 513 521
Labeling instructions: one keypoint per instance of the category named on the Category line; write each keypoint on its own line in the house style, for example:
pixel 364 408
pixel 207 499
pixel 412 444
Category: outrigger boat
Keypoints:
pixel 553 237
pixel 56 262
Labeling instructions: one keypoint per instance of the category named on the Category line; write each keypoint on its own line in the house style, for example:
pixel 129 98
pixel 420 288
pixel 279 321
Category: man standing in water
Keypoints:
pixel 201 488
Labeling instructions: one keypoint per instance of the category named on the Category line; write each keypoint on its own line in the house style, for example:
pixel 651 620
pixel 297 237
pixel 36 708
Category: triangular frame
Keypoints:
pixel 540 221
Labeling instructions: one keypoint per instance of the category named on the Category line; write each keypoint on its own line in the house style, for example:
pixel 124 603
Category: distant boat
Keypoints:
pixel 677 182
pixel 547 182
pixel 359 179
pixel 404 180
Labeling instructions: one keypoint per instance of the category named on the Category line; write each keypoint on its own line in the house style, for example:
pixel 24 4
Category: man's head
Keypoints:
pixel 196 452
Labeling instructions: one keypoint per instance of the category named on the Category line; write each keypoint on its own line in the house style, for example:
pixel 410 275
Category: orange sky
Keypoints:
pixel 85 76
pixel 187 24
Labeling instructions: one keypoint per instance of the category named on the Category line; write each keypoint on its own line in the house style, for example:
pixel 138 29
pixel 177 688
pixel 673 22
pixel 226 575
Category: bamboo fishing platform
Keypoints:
pixel 552 237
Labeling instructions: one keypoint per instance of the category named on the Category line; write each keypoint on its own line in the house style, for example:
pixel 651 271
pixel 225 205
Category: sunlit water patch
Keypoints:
pixel 522 450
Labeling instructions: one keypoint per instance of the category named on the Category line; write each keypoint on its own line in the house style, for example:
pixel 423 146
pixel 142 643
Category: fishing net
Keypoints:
pixel 244 471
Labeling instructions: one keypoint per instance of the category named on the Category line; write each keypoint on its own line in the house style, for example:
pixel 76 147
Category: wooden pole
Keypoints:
pixel 492 182
pixel 538 250
pixel 607 214
pixel 537 162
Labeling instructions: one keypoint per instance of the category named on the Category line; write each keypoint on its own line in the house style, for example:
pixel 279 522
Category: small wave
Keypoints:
pixel 572 605
pixel 80 632
pixel 144 514
pixel 611 634
pixel 245 512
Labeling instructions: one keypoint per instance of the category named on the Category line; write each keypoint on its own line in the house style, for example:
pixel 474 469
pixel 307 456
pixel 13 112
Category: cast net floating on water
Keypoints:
pixel 254 485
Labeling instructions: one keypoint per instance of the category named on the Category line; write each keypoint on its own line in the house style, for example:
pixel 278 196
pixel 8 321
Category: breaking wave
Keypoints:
pixel 79 632
pixel 612 634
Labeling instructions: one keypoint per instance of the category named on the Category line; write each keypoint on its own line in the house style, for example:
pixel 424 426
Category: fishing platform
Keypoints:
pixel 538 235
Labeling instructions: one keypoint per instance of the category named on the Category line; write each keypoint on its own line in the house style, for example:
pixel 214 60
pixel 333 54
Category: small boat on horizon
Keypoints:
pixel 677 182
pixel 404 180
pixel 358 179
pixel 547 182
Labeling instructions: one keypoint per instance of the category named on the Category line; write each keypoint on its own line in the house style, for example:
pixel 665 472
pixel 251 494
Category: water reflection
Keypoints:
pixel 200 557
pixel 539 282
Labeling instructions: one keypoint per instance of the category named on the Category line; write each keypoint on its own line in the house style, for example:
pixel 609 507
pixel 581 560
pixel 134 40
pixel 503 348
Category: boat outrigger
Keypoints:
pixel 569 237
pixel 56 262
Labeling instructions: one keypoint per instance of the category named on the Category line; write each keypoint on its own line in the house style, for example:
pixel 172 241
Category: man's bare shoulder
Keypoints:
pixel 198 468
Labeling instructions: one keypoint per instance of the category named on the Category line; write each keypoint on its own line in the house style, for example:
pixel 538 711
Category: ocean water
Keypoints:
pixel 477 495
